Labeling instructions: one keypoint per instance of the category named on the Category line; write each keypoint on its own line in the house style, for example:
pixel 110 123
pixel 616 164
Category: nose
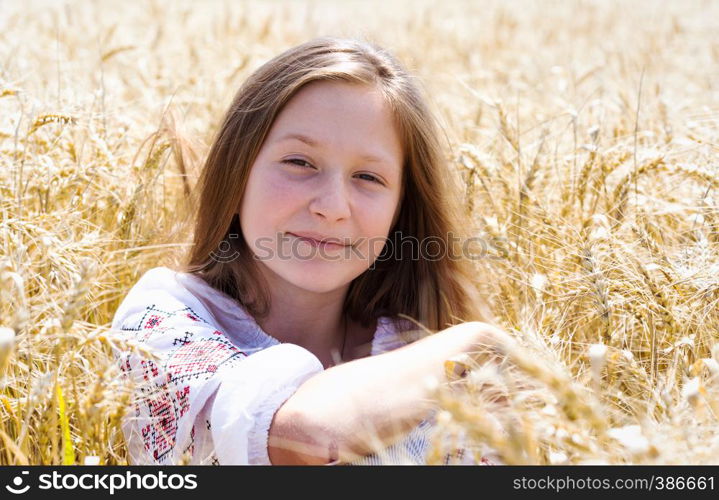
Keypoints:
pixel 332 201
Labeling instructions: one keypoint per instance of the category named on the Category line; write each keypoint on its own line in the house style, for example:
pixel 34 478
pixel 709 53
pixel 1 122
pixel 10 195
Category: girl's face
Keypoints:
pixel 330 168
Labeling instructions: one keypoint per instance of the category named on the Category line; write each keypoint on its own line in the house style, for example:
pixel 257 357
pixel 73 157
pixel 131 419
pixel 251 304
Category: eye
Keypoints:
pixel 372 178
pixel 292 161
pixel 299 162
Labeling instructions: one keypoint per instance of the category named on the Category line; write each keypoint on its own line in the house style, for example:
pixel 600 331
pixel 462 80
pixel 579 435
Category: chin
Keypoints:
pixel 317 279
pixel 316 285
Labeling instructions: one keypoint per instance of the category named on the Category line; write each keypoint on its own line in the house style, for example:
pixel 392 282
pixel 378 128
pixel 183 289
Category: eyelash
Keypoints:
pixel 292 160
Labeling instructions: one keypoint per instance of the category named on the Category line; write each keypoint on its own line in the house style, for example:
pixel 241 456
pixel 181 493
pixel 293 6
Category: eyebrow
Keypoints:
pixel 311 142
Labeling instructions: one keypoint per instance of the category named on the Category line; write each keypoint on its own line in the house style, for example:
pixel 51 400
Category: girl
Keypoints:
pixel 286 338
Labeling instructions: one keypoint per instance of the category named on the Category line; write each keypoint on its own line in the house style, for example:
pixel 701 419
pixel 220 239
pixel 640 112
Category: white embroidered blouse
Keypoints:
pixel 219 378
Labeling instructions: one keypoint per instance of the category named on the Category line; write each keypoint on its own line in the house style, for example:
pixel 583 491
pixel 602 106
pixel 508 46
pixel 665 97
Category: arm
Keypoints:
pixel 341 412
pixel 201 394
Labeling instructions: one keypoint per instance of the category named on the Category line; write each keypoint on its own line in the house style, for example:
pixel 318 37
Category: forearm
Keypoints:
pixel 353 409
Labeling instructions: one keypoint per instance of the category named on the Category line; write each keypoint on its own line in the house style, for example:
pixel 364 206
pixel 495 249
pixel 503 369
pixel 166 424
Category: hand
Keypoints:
pixel 484 342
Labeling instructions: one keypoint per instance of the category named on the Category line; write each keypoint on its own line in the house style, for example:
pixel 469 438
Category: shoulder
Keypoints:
pixel 167 298
pixel 394 332
pixel 156 296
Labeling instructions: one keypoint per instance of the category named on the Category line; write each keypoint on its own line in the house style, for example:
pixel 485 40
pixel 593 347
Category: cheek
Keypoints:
pixel 267 196
pixel 380 214
pixel 377 221
pixel 255 217
pixel 276 187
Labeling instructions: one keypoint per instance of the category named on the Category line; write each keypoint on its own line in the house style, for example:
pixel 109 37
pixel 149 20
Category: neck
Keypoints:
pixel 309 319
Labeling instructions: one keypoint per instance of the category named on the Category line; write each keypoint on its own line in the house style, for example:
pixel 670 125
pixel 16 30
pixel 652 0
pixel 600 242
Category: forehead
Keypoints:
pixel 344 116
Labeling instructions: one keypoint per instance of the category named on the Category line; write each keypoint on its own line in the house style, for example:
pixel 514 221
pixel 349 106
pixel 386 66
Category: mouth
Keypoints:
pixel 317 243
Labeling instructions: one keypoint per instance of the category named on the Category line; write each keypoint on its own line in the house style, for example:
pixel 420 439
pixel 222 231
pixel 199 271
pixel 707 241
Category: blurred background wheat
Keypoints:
pixel 586 135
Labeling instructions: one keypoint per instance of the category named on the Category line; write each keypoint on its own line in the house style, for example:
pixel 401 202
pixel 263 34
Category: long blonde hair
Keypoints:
pixel 437 293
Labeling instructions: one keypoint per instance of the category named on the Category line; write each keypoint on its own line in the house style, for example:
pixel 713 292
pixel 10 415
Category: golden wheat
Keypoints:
pixel 587 149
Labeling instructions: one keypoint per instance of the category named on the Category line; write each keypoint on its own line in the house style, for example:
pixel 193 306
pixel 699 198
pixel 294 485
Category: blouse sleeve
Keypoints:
pixel 202 387
pixel 414 447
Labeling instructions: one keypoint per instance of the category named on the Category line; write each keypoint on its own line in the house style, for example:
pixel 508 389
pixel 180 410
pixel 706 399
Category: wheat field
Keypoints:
pixel 586 134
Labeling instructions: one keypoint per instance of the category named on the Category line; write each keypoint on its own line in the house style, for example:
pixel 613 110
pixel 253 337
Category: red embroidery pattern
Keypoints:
pixel 190 354
pixel 164 426
pixel 194 359
pixel 183 398
pixel 191 446
pixel 153 321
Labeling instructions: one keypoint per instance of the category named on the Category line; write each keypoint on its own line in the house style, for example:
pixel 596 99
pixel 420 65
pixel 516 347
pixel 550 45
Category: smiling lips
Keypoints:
pixel 317 240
